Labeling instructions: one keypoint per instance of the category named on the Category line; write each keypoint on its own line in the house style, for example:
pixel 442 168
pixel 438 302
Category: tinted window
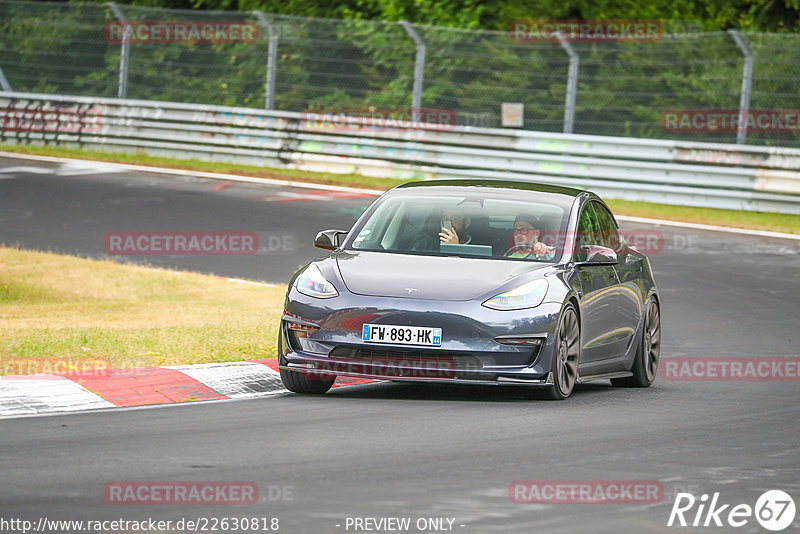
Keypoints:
pixel 607 227
pixel 588 231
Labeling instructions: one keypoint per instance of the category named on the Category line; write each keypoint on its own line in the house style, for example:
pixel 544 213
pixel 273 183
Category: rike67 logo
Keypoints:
pixel 774 510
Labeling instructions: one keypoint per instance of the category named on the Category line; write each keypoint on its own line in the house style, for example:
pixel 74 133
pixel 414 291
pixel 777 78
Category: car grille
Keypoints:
pixel 407 357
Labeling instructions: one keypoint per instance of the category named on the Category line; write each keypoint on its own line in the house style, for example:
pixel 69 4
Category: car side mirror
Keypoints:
pixel 598 255
pixel 329 239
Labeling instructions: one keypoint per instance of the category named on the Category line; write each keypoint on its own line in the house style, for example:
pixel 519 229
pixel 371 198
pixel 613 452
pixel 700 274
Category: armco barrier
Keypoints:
pixel 674 172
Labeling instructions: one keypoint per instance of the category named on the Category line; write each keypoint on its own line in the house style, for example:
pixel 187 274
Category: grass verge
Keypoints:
pixel 61 313
pixel 754 220
pixel 773 222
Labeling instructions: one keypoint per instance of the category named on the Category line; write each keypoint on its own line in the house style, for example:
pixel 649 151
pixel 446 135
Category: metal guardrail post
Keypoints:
pixel 419 65
pixel 125 51
pixel 572 83
pixel 4 85
pixel 747 81
pixel 272 58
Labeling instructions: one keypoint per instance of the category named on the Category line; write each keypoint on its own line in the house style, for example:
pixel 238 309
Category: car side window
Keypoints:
pixel 588 231
pixel 607 227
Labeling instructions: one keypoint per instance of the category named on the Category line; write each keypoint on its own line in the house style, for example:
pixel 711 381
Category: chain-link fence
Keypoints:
pixel 681 86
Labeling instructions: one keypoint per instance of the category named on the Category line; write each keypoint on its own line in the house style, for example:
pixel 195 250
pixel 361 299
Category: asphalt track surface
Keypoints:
pixel 399 450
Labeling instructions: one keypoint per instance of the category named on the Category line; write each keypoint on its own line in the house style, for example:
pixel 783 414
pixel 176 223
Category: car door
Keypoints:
pixel 629 272
pixel 599 290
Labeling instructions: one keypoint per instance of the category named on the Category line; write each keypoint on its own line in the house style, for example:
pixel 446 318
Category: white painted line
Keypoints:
pixel 306 185
pixel 709 227
pixel 85 167
pixel 288 195
pixel 251 282
pixel 220 277
pixel 36 157
pixel 235 379
pixel 26 170
pixel 20 396
pixel 199 174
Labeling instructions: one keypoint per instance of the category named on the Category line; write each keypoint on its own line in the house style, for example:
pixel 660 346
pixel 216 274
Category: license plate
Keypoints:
pixel 402 335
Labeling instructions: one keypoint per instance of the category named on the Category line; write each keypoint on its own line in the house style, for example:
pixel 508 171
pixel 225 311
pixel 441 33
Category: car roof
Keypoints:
pixel 498 184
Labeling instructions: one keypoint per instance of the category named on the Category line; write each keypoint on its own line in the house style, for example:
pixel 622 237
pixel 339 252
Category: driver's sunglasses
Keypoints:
pixel 523 230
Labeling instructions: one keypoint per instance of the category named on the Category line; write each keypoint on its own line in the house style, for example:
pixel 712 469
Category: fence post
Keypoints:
pixel 747 80
pixel 272 58
pixel 419 65
pixel 125 51
pixel 4 85
pixel 572 83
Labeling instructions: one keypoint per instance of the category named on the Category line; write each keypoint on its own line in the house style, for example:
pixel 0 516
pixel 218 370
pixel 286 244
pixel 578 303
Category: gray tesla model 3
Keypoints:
pixel 477 282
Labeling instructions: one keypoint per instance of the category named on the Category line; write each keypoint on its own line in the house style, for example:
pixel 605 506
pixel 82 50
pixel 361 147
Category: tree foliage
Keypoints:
pixel 356 56
pixel 710 15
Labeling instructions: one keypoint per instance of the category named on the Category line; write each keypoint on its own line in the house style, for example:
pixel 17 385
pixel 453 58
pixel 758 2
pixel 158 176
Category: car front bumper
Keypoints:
pixel 321 337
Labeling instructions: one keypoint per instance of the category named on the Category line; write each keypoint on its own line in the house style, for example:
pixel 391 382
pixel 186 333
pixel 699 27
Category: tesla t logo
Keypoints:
pixel 410 289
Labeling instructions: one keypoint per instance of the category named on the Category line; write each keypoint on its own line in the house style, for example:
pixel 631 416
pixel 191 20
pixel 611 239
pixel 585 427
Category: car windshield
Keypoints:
pixel 504 228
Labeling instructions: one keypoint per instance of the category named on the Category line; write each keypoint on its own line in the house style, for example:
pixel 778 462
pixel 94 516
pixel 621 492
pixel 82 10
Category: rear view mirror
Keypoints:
pixel 329 239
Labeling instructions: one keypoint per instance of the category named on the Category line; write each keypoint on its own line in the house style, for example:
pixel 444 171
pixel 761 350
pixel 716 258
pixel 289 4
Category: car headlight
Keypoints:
pixel 527 295
pixel 312 283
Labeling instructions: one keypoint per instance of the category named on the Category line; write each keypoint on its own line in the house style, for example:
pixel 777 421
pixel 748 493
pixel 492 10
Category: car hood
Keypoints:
pixel 426 277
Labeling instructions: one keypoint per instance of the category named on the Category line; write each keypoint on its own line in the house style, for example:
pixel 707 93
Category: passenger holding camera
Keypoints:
pixel 454 228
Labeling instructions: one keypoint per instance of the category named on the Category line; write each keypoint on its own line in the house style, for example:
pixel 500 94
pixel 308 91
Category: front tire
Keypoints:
pixel 566 356
pixel 308 384
pixel 303 383
pixel 645 363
